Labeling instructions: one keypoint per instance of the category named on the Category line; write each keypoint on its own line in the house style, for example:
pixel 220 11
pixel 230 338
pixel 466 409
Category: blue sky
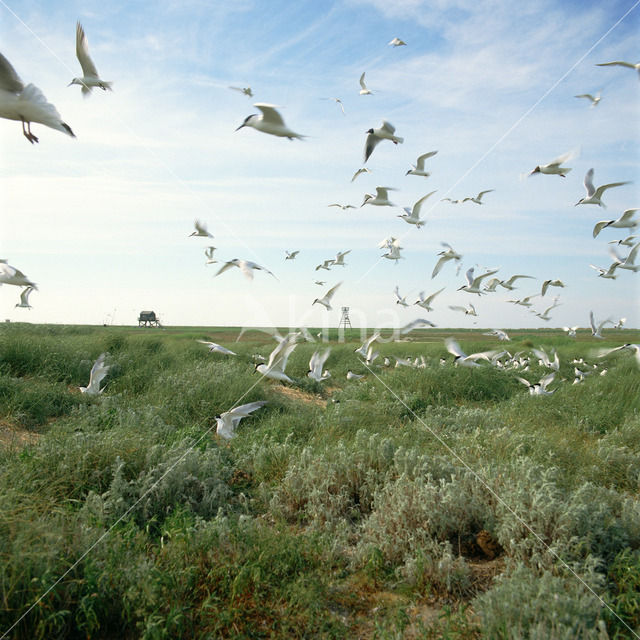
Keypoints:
pixel 101 223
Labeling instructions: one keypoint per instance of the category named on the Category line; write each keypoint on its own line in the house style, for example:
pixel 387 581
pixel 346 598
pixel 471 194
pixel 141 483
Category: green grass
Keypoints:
pixel 340 509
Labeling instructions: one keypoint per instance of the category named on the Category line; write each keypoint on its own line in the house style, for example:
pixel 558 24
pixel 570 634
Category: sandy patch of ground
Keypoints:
pixel 300 396
pixel 12 437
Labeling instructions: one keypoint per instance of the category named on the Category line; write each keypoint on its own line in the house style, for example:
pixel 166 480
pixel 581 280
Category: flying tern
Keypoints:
pixel 291 255
pixel 201 230
pixel 593 99
pixel 402 300
pixel 316 364
pixel 24 298
pixel 90 77
pixel 461 358
pixel 396 42
pixel 344 207
pixel 26 103
pixel 508 284
pixel 425 302
pixel 625 221
pixel 594 196
pixel 539 388
pixel 326 265
pixel 545 314
pixel 208 252
pixel 596 328
pixel 550 283
pixel 354 376
pixel 381 199
pixel 385 131
pixel 326 300
pixel 360 172
pixel 607 274
pixel 216 348
pixel 419 323
pixel 412 216
pixel 270 121
pixel 418 168
pixel 393 254
pixel 477 199
pixel 366 345
pixel 227 422
pixel 339 103
pixel 553 167
pixel 339 259
pixel 628 262
pixel 634 348
pixel 246 266
pixel 277 363
pixel 468 311
pixel 364 91
pixel 99 370
pixel 445 256
pixel 247 91
pixel 500 334
pixel 628 241
pixel 473 284
pixel 524 302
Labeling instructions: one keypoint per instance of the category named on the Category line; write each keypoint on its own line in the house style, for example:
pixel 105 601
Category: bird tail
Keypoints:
pixel 397 139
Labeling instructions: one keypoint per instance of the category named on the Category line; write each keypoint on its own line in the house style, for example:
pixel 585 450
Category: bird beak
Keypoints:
pixel 240 127
pixel 70 84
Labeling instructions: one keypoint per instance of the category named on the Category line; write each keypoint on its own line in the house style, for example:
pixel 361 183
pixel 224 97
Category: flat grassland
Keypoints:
pixel 437 501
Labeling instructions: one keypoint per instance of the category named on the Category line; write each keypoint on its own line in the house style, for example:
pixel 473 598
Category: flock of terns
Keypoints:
pixel 27 104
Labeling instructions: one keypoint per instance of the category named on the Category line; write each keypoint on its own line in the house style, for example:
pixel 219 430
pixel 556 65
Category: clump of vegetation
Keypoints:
pixel 422 502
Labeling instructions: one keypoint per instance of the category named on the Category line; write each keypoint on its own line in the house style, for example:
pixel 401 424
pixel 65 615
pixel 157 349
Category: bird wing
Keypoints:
pixel 24 296
pixel 370 144
pixel 588 183
pixel 619 63
pixel 98 371
pixel 237 413
pixel 630 259
pixel 416 207
pixel 269 113
pixel 627 215
pixel 512 279
pixel 469 276
pixel 359 171
pixel 388 127
pixel 601 189
pixel 600 226
pixel 82 51
pixel 457 308
pixel 476 281
pixel 226 266
pixel 422 158
pixel 362 84
pixel 331 291
pixel 9 79
pixel 454 348
pixel 439 265
pixel 433 295
pixel 382 192
pixel 585 95
pixel 483 192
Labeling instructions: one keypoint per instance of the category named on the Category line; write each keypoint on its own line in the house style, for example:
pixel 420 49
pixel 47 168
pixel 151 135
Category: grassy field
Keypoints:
pixel 435 502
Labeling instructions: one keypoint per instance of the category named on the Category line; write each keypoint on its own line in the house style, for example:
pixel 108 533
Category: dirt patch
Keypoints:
pixel 300 396
pixel 12 437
